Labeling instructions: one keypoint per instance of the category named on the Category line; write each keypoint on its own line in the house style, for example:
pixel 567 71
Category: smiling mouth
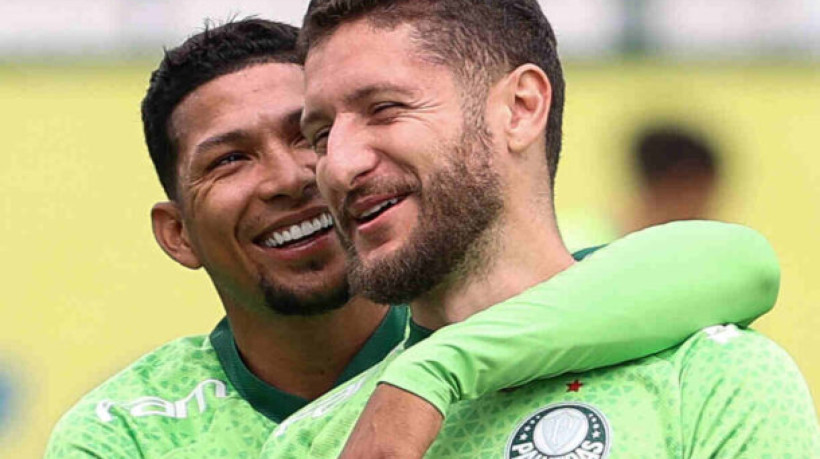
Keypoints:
pixel 298 233
pixel 373 212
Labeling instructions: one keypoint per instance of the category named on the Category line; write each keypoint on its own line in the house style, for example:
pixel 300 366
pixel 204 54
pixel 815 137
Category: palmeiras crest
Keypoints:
pixel 561 430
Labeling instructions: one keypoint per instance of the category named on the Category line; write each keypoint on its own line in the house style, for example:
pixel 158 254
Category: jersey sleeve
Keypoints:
pixel 742 396
pixel 639 295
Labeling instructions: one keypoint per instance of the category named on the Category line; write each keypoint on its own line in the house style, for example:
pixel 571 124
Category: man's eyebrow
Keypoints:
pixel 219 139
pixel 356 97
pixel 290 120
pixel 367 92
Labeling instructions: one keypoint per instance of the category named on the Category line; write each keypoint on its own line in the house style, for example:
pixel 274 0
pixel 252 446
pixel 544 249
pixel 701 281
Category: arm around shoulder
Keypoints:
pixel 637 296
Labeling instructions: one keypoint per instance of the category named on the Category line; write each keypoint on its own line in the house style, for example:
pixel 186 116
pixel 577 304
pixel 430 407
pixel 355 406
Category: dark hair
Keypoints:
pixel 663 152
pixel 201 58
pixel 480 40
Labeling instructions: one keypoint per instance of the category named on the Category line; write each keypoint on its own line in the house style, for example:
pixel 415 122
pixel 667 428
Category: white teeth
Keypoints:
pixel 296 231
pixel 299 231
pixel 377 208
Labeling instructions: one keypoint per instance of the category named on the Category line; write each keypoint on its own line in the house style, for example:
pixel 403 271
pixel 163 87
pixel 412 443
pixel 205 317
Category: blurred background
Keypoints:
pixel 675 108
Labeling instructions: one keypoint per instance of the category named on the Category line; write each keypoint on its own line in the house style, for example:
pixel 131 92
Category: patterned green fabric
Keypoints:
pixel 724 393
pixel 174 402
pixel 192 398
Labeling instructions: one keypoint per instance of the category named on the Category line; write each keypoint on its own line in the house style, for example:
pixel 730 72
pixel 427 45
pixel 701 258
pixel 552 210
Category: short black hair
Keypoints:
pixel 668 151
pixel 215 52
pixel 480 40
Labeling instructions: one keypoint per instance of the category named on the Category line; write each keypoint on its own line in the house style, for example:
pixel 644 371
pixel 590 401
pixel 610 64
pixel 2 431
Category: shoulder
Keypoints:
pixel 150 387
pixel 167 370
pixel 731 357
pixel 741 393
pixel 728 350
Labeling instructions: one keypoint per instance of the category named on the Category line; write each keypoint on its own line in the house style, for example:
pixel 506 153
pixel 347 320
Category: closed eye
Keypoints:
pixel 384 113
pixel 383 106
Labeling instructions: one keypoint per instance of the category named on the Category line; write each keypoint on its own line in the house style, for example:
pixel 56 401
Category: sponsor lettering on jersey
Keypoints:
pixel 156 406
pixel 561 431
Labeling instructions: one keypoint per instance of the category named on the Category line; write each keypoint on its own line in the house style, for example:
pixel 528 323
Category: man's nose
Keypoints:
pixel 289 174
pixel 349 158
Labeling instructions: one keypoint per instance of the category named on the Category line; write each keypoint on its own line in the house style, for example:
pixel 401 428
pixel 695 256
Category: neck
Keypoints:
pixel 521 252
pixel 303 356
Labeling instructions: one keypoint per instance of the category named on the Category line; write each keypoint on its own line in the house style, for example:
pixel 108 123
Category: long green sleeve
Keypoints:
pixel 642 294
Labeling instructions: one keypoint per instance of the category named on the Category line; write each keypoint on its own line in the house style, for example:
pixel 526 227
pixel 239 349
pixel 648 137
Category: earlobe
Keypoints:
pixel 531 95
pixel 171 234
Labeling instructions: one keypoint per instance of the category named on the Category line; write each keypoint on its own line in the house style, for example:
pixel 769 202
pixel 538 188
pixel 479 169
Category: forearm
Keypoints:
pixel 392 414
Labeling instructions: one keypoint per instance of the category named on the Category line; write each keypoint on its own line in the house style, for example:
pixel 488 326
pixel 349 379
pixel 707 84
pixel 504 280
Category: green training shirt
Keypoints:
pixel 724 393
pixel 195 397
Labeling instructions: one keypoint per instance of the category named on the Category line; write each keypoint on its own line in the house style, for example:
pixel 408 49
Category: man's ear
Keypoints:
pixel 171 234
pixel 529 95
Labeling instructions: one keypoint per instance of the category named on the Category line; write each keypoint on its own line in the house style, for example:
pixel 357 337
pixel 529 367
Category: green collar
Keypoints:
pixel 583 253
pixel 416 333
pixel 276 404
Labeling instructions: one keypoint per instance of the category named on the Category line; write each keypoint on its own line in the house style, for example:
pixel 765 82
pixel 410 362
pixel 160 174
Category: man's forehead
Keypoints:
pixel 267 89
pixel 268 79
pixel 358 41
pixel 231 107
pixel 358 58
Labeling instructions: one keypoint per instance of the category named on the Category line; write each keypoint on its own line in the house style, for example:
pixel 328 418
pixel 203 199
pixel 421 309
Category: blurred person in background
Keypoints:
pixel 679 174
pixel 221 121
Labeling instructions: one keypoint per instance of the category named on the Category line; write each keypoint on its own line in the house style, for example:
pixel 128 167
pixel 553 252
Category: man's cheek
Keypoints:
pixel 330 195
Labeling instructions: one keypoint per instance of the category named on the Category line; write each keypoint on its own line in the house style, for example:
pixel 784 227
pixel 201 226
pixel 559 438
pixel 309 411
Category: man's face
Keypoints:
pixel 248 197
pixel 407 173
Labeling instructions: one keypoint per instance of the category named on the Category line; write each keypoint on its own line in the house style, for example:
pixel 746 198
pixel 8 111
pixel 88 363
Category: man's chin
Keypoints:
pixel 305 302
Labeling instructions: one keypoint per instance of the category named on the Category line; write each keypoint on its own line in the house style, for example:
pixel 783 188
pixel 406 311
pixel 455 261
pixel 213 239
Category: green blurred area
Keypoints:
pixel 88 290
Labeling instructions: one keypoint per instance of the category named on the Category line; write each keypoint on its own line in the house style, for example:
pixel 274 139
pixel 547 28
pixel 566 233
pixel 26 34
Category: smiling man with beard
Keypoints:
pixel 460 201
pixel 221 121
pixel 438 127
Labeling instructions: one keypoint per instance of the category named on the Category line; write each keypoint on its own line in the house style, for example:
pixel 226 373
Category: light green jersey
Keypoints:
pixel 645 293
pixel 724 393
pixel 193 398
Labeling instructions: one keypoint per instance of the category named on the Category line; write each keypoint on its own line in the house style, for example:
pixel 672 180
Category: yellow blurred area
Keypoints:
pixel 87 290
pixel 765 120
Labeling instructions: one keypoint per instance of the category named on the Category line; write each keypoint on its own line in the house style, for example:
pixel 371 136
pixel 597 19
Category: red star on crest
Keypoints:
pixel 574 386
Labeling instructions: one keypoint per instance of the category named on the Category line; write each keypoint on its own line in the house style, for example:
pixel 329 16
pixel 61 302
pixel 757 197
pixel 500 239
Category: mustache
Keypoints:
pixel 377 186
